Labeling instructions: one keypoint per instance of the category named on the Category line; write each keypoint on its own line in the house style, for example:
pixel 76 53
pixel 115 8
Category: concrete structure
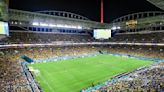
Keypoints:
pixel 151 20
pixel 51 20
pixel 157 3
pixel 63 14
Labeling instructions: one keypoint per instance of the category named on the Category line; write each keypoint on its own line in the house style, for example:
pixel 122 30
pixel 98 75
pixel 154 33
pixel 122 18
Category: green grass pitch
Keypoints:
pixel 75 74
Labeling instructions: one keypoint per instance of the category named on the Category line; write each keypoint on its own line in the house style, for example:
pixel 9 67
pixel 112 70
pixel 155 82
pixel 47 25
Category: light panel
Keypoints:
pixel 56 25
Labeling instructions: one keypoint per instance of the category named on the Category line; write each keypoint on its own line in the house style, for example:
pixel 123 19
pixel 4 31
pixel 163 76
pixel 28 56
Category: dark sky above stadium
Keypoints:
pixel 88 8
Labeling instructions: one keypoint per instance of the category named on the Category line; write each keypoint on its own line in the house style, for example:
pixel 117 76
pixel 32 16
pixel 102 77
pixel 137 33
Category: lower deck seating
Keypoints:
pixel 14 54
pixel 147 51
pixel 147 80
pixel 12 79
pixel 149 37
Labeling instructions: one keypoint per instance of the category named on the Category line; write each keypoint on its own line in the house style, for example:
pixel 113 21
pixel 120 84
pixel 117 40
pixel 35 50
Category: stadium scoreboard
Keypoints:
pixel 4 28
pixel 131 23
pixel 102 33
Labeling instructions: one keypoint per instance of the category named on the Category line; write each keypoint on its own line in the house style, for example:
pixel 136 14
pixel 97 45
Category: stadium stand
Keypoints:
pixel 139 37
pixel 149 79
pixel 27 37
pixel 13 55
pixel 19 37
pixel 147 51
pixel 16 77
pixel 12 78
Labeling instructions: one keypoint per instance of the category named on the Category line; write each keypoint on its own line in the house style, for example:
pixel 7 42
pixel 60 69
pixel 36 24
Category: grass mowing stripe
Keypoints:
pixel 43 79
pixel 75 74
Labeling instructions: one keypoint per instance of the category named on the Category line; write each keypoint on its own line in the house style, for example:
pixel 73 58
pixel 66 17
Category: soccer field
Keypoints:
pixel 75 74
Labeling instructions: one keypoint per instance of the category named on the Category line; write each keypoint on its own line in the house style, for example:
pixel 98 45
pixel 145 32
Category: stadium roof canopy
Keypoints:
pixel 158 3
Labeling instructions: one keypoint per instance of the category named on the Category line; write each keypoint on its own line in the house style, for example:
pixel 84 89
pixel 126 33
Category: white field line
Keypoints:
pixel 47 83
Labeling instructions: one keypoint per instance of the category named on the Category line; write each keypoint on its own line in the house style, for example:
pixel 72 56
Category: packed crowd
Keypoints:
pixel 23 37
pixel 147 80
pixel 143 51
pixel 148 37
pixel 14 54
pixel 12 78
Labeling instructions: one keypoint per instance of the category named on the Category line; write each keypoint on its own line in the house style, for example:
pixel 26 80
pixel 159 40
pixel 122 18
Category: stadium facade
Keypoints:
pixel 45 36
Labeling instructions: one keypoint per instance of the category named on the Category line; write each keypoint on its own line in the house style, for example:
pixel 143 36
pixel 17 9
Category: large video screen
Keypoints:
pixel 102 33
pixel 4 28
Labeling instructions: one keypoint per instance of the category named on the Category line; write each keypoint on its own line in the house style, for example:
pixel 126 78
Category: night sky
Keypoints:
pixel 88 8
